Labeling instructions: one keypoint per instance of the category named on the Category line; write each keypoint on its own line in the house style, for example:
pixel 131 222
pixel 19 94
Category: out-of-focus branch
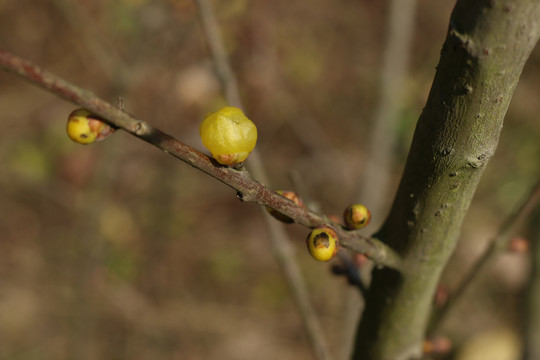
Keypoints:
pixel 498 244
pixel 248 189
pixel 219 54
pixel 278 237
pixel 91 41
pixel 400 28
pixel 531 333
pixel 374 189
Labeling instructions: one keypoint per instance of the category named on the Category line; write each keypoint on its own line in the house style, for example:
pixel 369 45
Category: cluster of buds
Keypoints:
pixel 229 135
pixel 83 127
pixel 323 241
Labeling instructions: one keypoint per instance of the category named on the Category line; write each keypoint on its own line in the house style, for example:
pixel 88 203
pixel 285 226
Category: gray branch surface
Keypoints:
pixel 486 47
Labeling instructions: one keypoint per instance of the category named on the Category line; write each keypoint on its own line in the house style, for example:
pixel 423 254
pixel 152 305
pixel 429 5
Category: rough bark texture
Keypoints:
pixel 486 47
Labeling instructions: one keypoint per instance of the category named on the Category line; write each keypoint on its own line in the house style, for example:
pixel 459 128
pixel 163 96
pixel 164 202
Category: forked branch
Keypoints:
pixel 496 245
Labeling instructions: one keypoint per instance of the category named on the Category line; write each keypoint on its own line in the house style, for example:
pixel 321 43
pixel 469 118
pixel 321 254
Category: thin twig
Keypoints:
pixel 382 137
pixel 248 189
pixel 91 41
pixel 219 54
pixel 496 246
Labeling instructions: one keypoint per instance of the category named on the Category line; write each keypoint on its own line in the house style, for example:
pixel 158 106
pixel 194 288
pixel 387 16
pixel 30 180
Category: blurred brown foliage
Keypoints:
pixel 115 251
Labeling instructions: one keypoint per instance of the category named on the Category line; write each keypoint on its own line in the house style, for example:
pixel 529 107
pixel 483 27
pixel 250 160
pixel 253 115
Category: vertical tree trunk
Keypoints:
pixel 486 47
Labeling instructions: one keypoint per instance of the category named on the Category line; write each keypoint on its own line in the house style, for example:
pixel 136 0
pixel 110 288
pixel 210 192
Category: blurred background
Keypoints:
pixel 118 251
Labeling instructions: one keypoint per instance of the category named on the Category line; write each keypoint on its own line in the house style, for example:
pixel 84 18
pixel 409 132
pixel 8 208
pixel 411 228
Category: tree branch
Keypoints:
pixel 496 246
pixel 240 180
pixel 219 54
pixel 486 47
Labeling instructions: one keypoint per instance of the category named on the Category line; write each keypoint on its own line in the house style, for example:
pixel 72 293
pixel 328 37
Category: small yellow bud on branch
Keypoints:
pixel 322 243
pixel 83 127
pixel 356 216
pixel 229 135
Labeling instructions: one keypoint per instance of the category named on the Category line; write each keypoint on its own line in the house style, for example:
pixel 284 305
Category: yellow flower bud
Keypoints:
pixel 83 127
pixel 291 195
pixel 229 135
pixel 356 216
pixel 322 243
